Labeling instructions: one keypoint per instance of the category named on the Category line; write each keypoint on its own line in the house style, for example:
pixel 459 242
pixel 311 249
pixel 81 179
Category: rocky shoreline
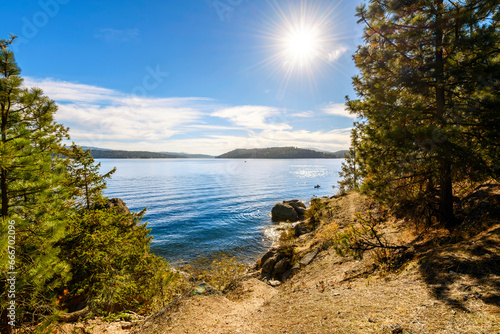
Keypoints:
pixel 280 262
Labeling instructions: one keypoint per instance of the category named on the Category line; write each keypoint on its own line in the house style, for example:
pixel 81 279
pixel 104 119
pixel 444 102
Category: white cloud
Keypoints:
pixel 304 114
pixel 110 119
pixel 336 53
pixel 337 109
pixel 64 91
pixel 252 117
pixel 101 113
pixel 334 140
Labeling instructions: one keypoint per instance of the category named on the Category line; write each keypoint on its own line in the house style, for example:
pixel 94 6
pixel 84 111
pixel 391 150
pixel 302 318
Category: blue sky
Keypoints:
pixel 197 76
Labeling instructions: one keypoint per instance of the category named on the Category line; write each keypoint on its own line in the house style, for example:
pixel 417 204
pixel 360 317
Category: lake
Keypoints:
pixel 198 208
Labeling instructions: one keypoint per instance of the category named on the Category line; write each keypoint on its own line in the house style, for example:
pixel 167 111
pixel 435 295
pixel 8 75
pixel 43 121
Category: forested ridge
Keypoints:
pixel 120 154
pixel 123 154
pixel 280 153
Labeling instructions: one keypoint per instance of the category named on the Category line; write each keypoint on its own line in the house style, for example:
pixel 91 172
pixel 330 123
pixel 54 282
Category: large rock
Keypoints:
pixel 308 258
pixel 281 266
pixel 283 212
pixel 119 204
pixel 268 265
pixel 302 228
pixel 269 254
pixel 299 206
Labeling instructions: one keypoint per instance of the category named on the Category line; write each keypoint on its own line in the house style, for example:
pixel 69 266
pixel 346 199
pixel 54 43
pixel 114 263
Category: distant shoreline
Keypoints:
pixel 256 153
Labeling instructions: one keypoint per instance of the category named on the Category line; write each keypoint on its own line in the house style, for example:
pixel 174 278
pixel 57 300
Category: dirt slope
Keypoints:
pixel 448 287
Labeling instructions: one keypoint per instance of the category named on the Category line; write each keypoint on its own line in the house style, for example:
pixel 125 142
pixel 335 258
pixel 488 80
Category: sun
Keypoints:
pixel 302 41
pixel 302 45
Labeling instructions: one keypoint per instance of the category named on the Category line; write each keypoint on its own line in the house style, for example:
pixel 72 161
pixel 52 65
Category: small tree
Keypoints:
pixel 350 176
pixel 85 178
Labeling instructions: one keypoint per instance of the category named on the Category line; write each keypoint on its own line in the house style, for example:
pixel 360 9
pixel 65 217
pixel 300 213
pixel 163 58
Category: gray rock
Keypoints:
pixel 295 203
pixel 287 274
pixel 302 228
pixel 299 206
pixel 270 253
pixel 295 269
pixel 308 258
pixel 274 283
pixel 284 212
pixel 268 265
pixel 281 266
pixel 119 204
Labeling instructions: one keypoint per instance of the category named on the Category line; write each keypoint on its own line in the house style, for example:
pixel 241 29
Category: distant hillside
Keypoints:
pixel 190 156
pixel 103 153
pixel 115 154
pixel 280 153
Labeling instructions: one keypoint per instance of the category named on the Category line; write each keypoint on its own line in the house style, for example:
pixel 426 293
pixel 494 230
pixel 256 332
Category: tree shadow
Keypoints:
pixel 479 263
pixel 457 269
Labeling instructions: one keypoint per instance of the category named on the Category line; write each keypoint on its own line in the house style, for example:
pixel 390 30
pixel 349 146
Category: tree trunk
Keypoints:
pixel 445 179
pixel 446 195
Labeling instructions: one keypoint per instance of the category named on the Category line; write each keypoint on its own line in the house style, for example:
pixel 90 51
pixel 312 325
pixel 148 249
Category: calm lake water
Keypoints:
pixel 203 207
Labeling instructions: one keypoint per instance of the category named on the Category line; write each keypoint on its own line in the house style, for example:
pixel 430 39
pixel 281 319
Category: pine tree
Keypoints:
pixel 85 179
pixel 70 247
pixel 350 176
pixel 32 175
pixel 428 96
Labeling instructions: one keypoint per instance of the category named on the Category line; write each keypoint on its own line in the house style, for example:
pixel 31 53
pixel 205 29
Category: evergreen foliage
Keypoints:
pixel 428 96
pixel 350 176
pixel 33 195
pixel 71 249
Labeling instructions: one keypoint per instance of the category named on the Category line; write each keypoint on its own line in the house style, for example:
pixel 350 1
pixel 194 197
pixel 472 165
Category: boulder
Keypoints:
pixel 268 265
pixel 299 206
pixel 308 258
pixel 284 212
pixel 119 204
pixel 295 269
pixel 302 228
pixel 270 253
pixel 281 266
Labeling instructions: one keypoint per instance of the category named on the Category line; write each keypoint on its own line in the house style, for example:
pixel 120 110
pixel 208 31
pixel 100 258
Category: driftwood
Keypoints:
pixel 74 316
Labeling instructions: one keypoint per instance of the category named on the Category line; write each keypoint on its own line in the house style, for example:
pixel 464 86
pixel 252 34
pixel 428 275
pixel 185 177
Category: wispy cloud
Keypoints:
pixel 337 109
pixel 334 140
pixel 64 91
pixel 336 53
pixel 102 114
pixel 252 117
pixel 110 119
pixel 118 35
pixel 304 114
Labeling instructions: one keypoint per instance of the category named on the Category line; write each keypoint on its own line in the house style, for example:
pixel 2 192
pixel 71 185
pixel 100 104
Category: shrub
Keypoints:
pixel 219 273
pixel 361 237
